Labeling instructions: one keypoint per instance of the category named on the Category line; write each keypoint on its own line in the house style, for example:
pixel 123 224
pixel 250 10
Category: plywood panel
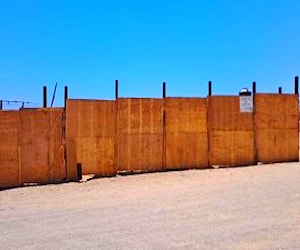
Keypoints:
pixel 42 152
pixel 34 146
pixel 186 150
pixel 9 149
pixel 275 111
pixel 232 148
pixel 231 132
pixel 276 122
pixel 140 132
pixel 186 133
pixel 224 114
pixel 56 145
pixel 91 128
pixel 140 152
pixel 277 145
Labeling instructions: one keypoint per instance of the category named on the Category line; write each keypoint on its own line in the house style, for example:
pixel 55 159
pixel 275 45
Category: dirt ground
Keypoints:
pixel 238 208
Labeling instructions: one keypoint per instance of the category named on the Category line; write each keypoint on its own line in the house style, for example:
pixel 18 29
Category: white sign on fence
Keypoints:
pixel 246 103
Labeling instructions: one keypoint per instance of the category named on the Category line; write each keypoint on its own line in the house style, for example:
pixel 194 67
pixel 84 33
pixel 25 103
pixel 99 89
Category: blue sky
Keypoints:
pixel 88 44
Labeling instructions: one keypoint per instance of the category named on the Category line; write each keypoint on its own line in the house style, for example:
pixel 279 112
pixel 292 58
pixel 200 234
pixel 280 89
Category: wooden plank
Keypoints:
pixel 231 148
pixel 91 128
pixel 186 133
pixel 140 130
pixel 9 149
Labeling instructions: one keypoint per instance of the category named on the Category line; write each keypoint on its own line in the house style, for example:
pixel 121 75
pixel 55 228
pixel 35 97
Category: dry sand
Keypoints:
pixel 239 208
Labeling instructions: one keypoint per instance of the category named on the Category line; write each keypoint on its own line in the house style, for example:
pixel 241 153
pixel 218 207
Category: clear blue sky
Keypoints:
pixel 89 44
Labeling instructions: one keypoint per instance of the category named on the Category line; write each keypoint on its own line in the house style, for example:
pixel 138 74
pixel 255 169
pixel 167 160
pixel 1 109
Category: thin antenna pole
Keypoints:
pixel 53 97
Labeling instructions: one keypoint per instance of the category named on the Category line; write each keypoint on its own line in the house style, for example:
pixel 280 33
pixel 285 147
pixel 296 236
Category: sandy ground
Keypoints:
pixel 238 208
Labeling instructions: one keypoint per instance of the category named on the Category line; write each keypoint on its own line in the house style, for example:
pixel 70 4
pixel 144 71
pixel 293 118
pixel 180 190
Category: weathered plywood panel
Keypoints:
pixel 186 133
pixel 277 145
pixel 56 145
pixel 232 148
pixel 91 131
pixel 42 152
pixel 224 114
pixel 186 150
pixel 276 122
pixel 140 132
pixel 274 111
pixel 9 149
pixel 35 146
pixel 231 136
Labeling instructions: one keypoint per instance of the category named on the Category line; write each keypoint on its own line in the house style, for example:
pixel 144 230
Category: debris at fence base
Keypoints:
pixel 86 178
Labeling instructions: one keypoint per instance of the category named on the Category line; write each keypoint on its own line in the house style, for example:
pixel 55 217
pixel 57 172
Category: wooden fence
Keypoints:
pixel 32 147
pixel 231 132
pixel 145 135
pixel 186 137
pixel 277 128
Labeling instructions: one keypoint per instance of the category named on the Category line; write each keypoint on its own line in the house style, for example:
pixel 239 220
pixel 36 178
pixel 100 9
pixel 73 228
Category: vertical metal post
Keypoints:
pixel 296 85
pixel 44 97
pixel 254 121
pixel 79 171
pixel 164 93
pixel 66 95
pixel 209 88
pixel 279 90
pixel 117 89
pixel 254 88
pixel 1 105
pixel 117 135
pixel 164 90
